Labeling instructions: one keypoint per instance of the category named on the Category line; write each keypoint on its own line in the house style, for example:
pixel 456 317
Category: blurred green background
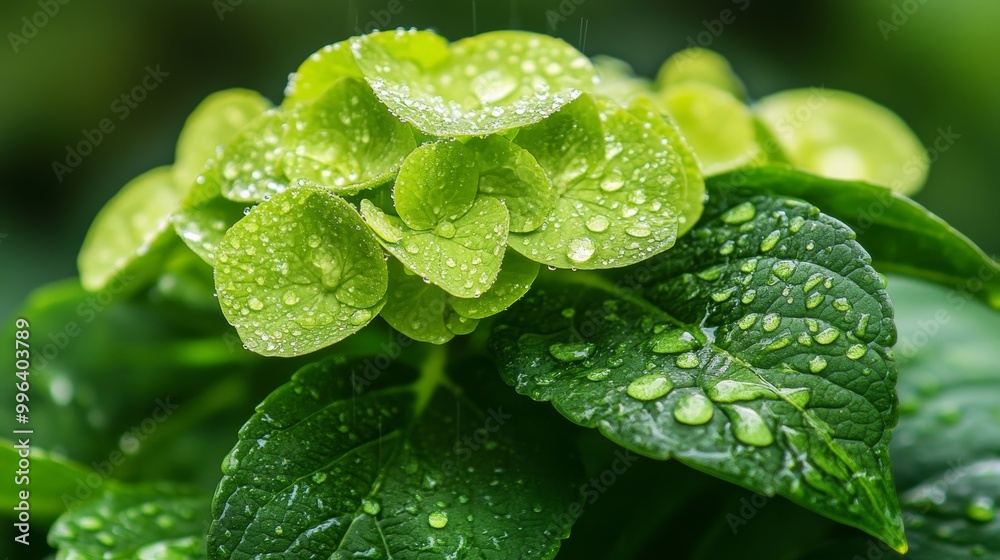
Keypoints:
pixel 933 62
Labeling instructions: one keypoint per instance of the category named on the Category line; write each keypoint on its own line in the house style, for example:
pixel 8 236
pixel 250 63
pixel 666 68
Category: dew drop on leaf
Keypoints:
pixel 694 409
pixel 649 387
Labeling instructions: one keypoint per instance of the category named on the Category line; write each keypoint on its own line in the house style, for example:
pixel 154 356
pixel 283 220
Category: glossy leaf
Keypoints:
pixel 901 235
pixel 510 174
pixel 155 521
pixel 617 80
pixel 758 351
pixel 130 229
pixel 717 125
pixel 205 215
pixel 318 72
pixel 345 139
pixel 416 308
pixel 516 276
pixel 480 85
pixel 210 126
pixel 437 182
pixel 251 163
pixel 841 135
pixel 351 459
pixel 623 184
pixel 462 257
pixel 299 273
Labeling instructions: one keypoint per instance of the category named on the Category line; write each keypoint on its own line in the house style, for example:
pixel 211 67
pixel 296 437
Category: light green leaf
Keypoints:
pixel 205 215
pixel 299 273
pixel 148 521
pixel 901 235
pixel 437 182
pixel 702 66
pixel 416 308
pixel 617 80
pixel 623 184
pixel 251 163
pixel 350 460
pixel 210 126
pixel 462 257
pixel 758 351
pixel 345 139
pixel 50 480
pixel 131 229
pixel 515 278
pixel 320 71
pixel 840 135
pixel 485 84
pixel 717 125
pixel 511 174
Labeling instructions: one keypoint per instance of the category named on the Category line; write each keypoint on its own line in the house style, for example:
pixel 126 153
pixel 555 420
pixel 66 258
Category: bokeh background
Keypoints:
pixel 934 62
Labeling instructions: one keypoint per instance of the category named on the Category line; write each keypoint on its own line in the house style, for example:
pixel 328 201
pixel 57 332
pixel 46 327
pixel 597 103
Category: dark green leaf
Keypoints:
pixel 150 521
pixel 901 235
pixel 299 273
pixel 377 460
pixel 758 350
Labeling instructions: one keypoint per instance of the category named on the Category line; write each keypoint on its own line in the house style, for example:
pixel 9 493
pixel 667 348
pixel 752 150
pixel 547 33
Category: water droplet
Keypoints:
pixel 722 295
pixel 360 317
pixel 319 477
pixel 862 327
pixel 568 313
pixel 649 387
pixel 827 335
pixel 771 322
pixel 841 304
pixel 770 241
pixel 981 509
pixel 639 230
pixel 727 247
pixel 580 249
pixel 445 229
pixel 730 390
pixel 694 409
pixel 750 428
pixel 438 519
pixel 796 224
pixel 783 269
pixel 749 296
pixel 612 181
pixel 674 341
pixel 571 351
pixel 106 539
pixel 598 223
pixel 748 321
pixel 688 360
pixel 857 351
pixel 371 507
pixel 817 364
pixel 90 523
pixel 290 298
pixel 738 214
pixel 256 304
pixel 814 300
pixel 278 530
pixel 598 374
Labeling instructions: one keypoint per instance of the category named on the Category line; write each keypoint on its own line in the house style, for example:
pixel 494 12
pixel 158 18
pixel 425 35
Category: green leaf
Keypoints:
pixel 758 351
pixel 437 182
pixel 416 308
pixel 702 66
pixel 320 71
pixel 251 163
pixel 205 215
pixel 299 273
pixel 131 229
pixel 617 80
pixel 155 521
pixel 352 459
pixel 51 480
pixel 481 85
pixel 345 139
pixel 717 125
pixel 515 278
pixel 210 126
pixel 901 235
pixel 625 189
pixel 462 257
pixel 511 174
pixel 841 135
